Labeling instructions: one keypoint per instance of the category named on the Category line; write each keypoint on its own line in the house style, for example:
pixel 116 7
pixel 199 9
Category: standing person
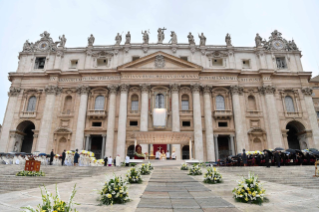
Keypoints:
pixel 157 155
pixel 109 161
pixel 105 161
pixel 167 155
pixel 239 160
pixel 76 158
pixel 127 160
pixel 63 157
pixel 267 159
pixel 277 158
pixel 51 157
pixel 118 161
pixel 244 158
pixel 173 156
pixel 258 159
pixel 308 158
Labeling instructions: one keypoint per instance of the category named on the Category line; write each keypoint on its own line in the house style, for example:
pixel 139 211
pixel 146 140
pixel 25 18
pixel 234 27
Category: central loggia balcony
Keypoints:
pixel 96 114
pixel 222 114
pixel 28 114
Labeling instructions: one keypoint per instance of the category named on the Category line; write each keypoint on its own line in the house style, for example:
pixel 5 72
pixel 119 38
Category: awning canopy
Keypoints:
pixel 163 137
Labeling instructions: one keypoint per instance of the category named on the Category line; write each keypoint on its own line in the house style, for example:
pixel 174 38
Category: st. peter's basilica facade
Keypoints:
pixel 200 101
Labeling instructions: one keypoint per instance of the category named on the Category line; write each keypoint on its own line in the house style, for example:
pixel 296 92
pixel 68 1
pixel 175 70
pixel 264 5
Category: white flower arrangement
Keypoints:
pixel 249 190
pixel 212 176
pixel 195 170
pixel 184 166
pixel 144 169
pixel 134 176
pixel 150 167
pixel 114 191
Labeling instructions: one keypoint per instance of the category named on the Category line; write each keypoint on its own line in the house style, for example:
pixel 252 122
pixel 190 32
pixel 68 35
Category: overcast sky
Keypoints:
pixel 22 20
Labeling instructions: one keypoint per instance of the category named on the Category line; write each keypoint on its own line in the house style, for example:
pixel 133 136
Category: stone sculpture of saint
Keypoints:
pixel 15 148
pixel 228 39
pixel 258 40
pixel 191 39
pixel 27 46
pixel 293 45
pixel 91 40
pixel 160 35
pixel 173 38
pixel 118 39
pixel 128 38
pixel 202 39
pixel 62 41
pixel 145 37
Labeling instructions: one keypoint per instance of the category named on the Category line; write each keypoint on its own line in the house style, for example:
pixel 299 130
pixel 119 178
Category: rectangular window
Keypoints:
pixel 222 124
pixel 217 62
pixel 186 123
pixel 39 63
pixel 133 123
pixel 135 58
pixel 184 58
pixel 134 105
pixel 74 64
pixel 96 124
pixel 102 62
pixel 281 63
pixel 185 105
pixel 246 64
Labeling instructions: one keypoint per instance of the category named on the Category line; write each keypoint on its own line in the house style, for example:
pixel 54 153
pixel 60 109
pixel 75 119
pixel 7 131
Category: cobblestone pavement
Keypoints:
pixel 168 189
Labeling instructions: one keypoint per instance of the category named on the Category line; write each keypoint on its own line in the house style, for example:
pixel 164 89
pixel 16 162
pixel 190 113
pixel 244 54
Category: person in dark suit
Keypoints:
pixel 105 160
pixel 76 158
pixel 258 159
pixel 244 158
pixel 267 159
pixel 63 157
pixel 308 158
pixel 51 157
pixel 277 158
pixel 239 160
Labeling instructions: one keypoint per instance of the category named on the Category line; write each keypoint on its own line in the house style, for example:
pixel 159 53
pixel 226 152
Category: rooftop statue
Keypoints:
pixel 258 40
pixel 145 37
pixel 173 39
pixel 91 40
pixel 128 38
pixel 202 39
pixel 62 41
pixel 118 39
pixel 228 39
pixel 160 35
pixel 27 47
pixel 191 39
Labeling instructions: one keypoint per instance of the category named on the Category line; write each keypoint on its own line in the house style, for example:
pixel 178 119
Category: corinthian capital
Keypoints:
pixel 236 89
pixel 206 89
pixel 307 91
pixel 267 89
pixel 174 87
pixel 14 91
pixel 124 87
pixel 195 87
pixel 145 87
pixel 83 89
pixel 112 89
pixel 52 89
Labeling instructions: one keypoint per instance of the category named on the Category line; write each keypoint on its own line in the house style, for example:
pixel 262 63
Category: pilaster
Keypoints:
pixel 121 137
pixel 111 120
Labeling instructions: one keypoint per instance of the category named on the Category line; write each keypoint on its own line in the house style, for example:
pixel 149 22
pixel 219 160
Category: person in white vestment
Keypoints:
pixel 173 156
pixel 118 160
pixel 127 160
pixel 157 155
pixel 109 161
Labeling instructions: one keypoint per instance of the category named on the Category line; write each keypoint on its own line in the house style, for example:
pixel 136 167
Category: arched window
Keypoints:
pixel 252 103
pixel 31 104
pixel 289 104
pixel 220 102
pixel 67 104
pixel 99 103
pixel 185 102
pixel 159 101
pixel 134 103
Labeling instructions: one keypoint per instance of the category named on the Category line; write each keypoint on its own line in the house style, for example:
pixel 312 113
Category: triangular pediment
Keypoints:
pixel 159 61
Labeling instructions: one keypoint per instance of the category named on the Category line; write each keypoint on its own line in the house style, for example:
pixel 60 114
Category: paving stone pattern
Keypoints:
pixel 173 190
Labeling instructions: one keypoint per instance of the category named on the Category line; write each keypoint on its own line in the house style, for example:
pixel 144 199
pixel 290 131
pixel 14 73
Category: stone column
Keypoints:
pixel 190 150
pixel 312 115
pixel 241 134
pixel 103 146
pixel 121 135
pixel 46 121
pixel 175 116
pixel 197 117
pixel 216 147
pixel 8 119
pixel 272 114
pixel 80 125
pixel 208 124
pixel 232 146
pixel 110 121
pixel 144 107
pixel 87 141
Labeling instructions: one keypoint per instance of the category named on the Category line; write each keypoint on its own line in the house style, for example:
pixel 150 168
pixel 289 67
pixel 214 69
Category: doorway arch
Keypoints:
pixel 295 130
pixel 185 152
pixel 27 128
pixel 130 151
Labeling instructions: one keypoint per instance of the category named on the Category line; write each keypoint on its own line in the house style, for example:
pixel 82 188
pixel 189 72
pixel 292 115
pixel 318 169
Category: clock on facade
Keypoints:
pixel 43 45
pixel 277 44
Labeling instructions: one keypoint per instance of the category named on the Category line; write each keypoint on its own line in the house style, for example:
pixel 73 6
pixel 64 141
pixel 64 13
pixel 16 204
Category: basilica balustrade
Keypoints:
pixel 66 114
pixel 223 114
pixel 96 114
pixel 254 113
pixel 293 114
pixel 28 114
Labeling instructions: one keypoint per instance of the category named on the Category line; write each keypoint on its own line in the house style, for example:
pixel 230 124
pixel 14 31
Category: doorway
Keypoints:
pixel 130 151
pixel 26 127
pixel 185 152
pixel 295 129
pixel 96 146
pixel 224 149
